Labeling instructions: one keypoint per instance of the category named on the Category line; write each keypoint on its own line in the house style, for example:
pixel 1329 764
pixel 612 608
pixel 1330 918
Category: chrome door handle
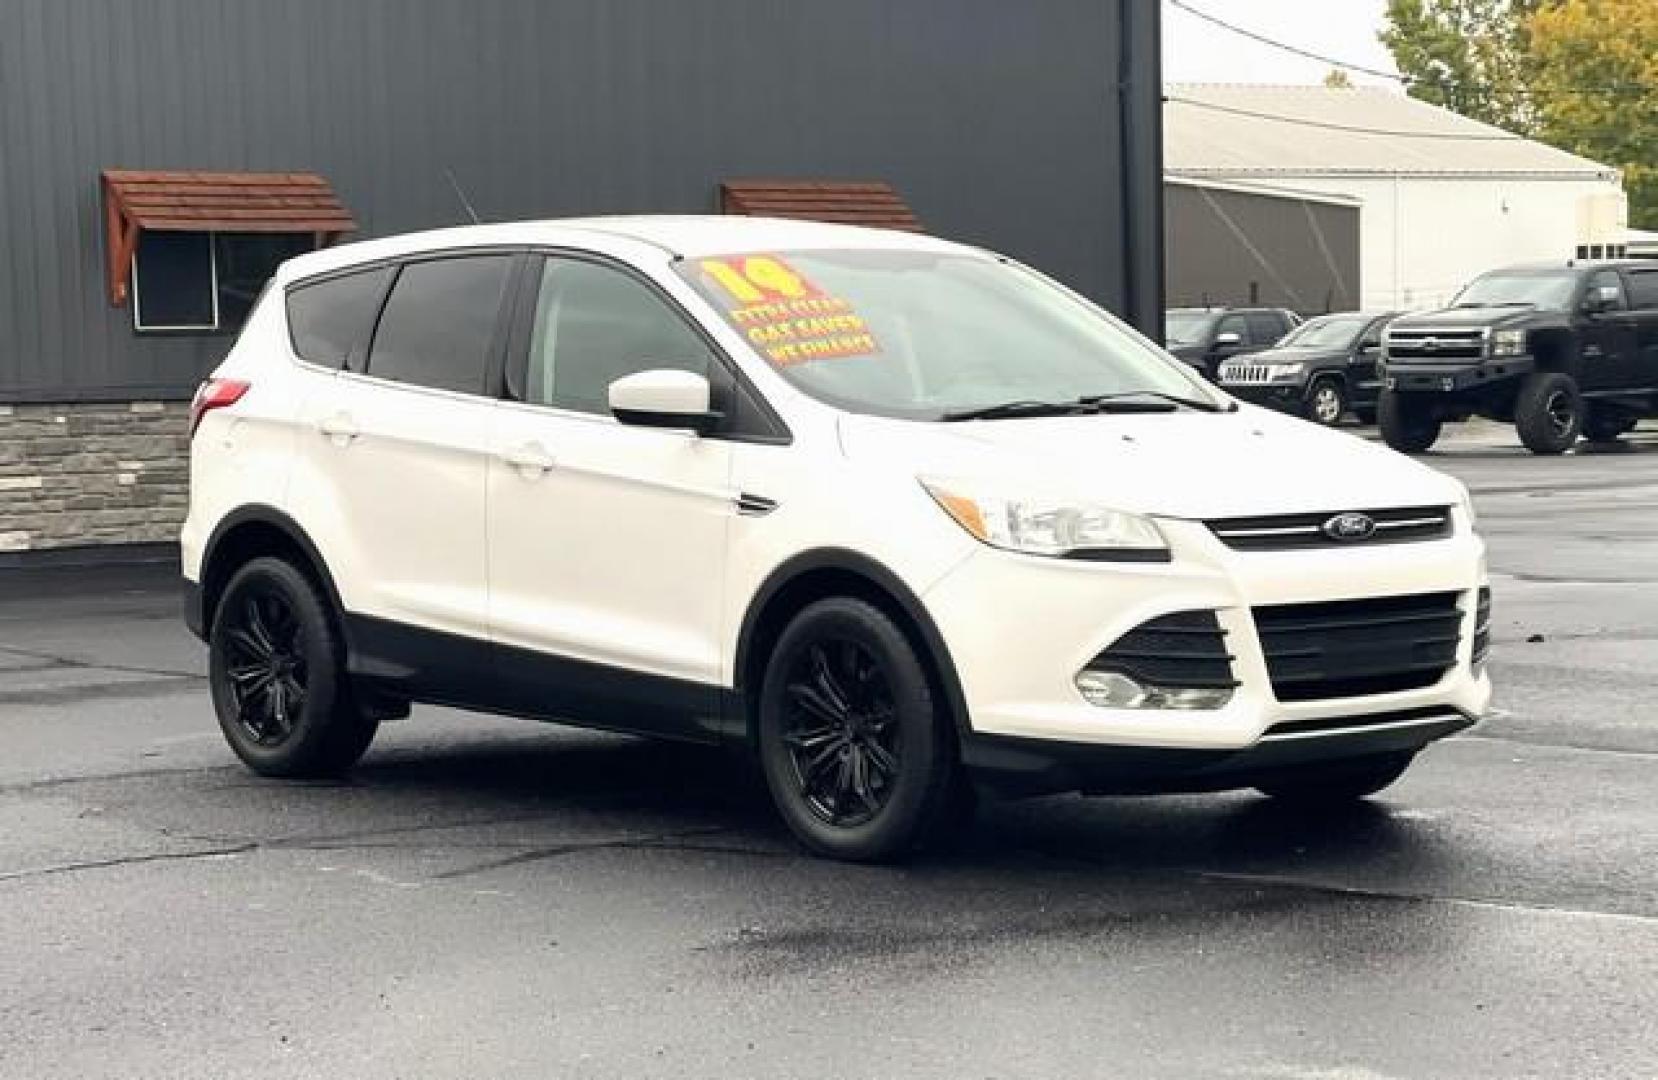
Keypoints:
pixel 339 428
pixel 530 459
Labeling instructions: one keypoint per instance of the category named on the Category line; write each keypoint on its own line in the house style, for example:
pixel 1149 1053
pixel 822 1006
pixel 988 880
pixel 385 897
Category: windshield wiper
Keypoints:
pixel 1137 401
pixel 1496 303
pixel 1007 410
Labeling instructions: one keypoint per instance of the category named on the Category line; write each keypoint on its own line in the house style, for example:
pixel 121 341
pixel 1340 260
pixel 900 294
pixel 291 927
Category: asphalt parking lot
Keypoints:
pixel 499 899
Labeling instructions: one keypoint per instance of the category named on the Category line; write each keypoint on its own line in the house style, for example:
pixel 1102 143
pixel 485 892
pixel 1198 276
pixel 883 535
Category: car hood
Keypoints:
pixel 1466 317
pixel 1181 464
pixel 1296 353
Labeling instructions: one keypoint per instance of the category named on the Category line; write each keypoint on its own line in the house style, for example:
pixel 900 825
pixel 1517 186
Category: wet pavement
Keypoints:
pixel 490 898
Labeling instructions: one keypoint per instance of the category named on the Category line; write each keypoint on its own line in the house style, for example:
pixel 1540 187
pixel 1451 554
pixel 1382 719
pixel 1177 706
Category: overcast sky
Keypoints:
pixel 1196 51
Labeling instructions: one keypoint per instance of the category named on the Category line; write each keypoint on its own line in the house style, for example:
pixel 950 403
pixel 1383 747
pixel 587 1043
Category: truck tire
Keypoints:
pixel 1408 421
pixel 1549 412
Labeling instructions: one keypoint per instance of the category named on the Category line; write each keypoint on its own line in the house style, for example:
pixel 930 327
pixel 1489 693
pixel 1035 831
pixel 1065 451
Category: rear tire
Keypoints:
pixel 1326 402
pixel 1549 412
pixel 1408 421
pixel 1338 782
pixel 857 752
pixel 277 677
pixel 1604 426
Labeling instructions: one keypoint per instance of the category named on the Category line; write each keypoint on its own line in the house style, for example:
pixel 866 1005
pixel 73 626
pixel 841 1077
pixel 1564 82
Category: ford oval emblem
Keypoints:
pixel 1349 527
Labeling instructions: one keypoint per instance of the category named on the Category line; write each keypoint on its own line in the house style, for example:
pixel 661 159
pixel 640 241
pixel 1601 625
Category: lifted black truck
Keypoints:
pixel 1559 351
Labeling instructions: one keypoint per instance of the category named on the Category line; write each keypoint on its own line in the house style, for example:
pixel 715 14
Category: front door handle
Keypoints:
pixel 339 428
pixel 530 459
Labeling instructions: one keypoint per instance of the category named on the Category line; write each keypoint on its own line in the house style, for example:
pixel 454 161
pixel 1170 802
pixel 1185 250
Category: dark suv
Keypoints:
pixel 1203 337
pixel 1559 351
pixel 1323 369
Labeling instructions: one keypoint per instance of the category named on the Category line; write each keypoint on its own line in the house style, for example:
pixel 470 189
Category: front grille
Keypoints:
pixel 1482 626
pixel 1290 532
pixel 1184 650
pixel 1349 648
pixel 1245 374
pixel 1430 346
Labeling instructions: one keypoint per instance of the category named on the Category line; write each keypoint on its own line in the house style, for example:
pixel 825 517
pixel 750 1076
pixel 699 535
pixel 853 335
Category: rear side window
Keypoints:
pixel 439 322
pixel 1643 290
pixel 329 321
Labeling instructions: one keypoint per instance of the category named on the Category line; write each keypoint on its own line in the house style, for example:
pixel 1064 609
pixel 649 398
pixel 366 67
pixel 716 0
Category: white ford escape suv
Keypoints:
pixel 902 516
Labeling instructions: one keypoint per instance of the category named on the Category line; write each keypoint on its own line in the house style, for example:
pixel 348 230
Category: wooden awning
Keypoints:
pixel 861 202
pixel 241 202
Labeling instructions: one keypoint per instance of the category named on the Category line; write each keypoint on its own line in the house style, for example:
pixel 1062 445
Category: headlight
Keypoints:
pixel 1037 525
pixel 1465 502
pixel 1508 343
pixel 1286 371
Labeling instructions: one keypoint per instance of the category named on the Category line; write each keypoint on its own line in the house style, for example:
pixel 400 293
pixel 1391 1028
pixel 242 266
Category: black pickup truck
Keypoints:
pixel 1560 351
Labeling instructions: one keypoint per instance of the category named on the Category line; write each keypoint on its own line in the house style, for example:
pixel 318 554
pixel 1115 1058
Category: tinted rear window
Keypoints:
pixel 329 319
pixel 439 322
pixel 1266 328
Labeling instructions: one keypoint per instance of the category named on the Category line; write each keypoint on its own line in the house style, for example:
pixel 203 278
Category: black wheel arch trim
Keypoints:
pixel 201 599
pixel 877 575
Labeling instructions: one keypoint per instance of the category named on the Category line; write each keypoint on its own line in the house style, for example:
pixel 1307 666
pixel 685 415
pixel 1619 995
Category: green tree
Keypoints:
pixel 1466 55
pixel 1337 79
pixel 1594 75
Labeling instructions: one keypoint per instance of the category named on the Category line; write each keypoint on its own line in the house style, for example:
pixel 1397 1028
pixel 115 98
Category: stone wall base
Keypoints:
pixel 91 474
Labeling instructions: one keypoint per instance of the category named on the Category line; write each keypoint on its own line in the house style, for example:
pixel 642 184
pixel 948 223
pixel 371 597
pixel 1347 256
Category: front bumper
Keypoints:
pixel 1017 655
pixel 1414 378
pixel 1283 396
pixel 1015 767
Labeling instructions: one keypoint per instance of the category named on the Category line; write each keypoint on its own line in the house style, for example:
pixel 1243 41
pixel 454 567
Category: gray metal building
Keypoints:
pixel 1233 244
pixel 1033 128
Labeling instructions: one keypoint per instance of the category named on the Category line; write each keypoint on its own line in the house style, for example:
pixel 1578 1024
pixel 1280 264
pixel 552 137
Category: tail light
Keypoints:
pixel 215 394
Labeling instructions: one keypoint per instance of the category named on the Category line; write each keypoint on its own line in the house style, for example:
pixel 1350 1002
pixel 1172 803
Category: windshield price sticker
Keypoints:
pixel 786 317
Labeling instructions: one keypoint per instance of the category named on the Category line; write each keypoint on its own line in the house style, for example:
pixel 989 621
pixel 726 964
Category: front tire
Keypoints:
pixel 1407 421
pixel 277 678
pixel 1549 412
pixel 857 752
pixel 1337 782
pixel 1326 402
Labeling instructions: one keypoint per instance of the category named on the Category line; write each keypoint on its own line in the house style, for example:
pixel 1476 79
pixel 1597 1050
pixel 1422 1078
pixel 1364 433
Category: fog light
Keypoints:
pixel 1114 690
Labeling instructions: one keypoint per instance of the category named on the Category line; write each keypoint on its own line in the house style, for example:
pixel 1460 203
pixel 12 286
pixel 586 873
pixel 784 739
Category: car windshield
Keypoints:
pixel 1186 327
pixel 1544 290
pixel 1326 332
pixel 926 336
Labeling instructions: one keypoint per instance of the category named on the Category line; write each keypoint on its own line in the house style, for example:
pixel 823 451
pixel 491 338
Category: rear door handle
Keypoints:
pixel 340 428
pixel 530 459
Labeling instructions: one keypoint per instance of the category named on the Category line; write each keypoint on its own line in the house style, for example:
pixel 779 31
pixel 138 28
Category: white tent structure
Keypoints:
pixel 1442 197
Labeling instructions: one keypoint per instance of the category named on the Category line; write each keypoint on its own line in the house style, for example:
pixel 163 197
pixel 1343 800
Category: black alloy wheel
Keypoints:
pixel 857 751
pixel 277 675
pixel 1326 403
pixel 1549 412
pixel 265 664
pixel 842 732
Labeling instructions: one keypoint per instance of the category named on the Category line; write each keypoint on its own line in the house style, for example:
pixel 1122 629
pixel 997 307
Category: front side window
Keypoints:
pixel 920 335
pixel 1234 324
pixel 1543 289
pixel 439 322
pixel 1607 279
pixel 330 320
pixel 595 324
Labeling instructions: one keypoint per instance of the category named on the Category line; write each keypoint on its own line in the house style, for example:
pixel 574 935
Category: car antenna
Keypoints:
pixel 461 195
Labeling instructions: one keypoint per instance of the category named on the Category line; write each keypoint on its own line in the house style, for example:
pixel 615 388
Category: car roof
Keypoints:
pixel 1571 264
pixel 674 235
